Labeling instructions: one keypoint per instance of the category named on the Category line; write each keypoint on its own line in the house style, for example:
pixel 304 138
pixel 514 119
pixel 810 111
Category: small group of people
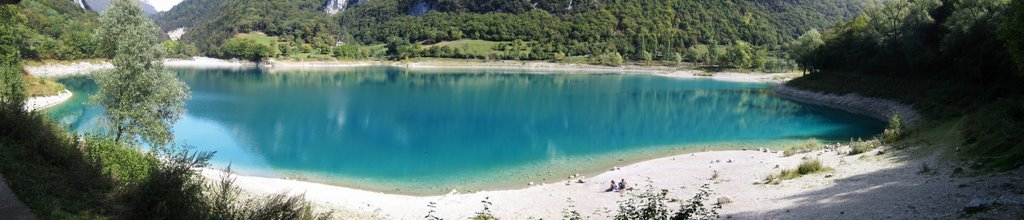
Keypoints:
pixel 621 186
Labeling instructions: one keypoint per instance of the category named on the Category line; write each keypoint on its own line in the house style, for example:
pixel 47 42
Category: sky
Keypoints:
pixel 162 5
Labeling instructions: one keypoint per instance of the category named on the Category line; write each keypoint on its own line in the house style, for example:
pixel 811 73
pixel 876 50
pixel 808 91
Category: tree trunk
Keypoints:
pixel 117 138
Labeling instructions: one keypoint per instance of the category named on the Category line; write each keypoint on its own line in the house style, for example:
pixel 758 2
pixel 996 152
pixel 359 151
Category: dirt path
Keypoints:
pixel 10 206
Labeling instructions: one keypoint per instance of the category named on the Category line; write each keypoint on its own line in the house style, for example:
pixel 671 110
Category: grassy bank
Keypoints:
pixel 61 175
pixel 37 86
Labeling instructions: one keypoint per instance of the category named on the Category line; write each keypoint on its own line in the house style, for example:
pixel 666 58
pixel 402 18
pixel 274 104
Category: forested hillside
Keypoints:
pixel 633 29
pixel 954 60
pixel 56 29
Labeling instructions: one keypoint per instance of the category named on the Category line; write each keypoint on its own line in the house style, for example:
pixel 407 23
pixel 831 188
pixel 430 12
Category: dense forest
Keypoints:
pixel 55 29
pixel 957 60
pixel 697 31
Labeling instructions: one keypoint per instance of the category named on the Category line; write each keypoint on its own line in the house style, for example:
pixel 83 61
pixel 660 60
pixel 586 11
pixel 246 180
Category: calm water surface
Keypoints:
pixel 431 128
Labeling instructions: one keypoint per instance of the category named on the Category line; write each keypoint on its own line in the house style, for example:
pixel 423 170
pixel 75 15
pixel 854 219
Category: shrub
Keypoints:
pixel 653 204
pixel 125 165
pixel 171 191
pixel 695 207
pixel 485 214
pixel 245 48
pixel 895 129
pixel 811 166
pixel 570 213
pixel 860 147
pixel 806 167
pixel 649 204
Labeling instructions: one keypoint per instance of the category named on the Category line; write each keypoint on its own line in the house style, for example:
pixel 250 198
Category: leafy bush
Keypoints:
pixel 649 204
pixel 225 204
pixel 610 59
pixel 805 167
pixel 895 129
pixel 43 166
pixel 653 204
pixel 859 147
pixel 124 165
pixel 485 214
pixel 247 49
pixel 810 166
pixel 695 207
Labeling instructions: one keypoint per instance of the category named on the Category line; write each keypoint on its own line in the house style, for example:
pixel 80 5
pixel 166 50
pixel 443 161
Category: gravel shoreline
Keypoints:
pixel 40 103
pixel 881 109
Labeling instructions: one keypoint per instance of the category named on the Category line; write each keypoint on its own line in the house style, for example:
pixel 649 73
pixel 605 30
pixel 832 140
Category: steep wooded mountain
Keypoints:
pixel 101 6
pixel 635 28
pixel 56 29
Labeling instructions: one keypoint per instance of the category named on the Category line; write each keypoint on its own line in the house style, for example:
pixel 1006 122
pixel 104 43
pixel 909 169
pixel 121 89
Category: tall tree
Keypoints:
pixel 803 49
pixel 1012 32
pixel 12 91
pixel 141 98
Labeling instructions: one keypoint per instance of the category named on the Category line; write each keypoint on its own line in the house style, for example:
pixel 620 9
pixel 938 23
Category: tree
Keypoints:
pixel 246 49
pixel 802 51
pixel 1011 32
pixel 741 55
pixel 141 98
pixel 12 92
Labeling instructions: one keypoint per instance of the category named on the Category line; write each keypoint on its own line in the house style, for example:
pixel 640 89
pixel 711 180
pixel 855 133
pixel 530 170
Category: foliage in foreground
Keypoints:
pixel 59 177
pixel 653 204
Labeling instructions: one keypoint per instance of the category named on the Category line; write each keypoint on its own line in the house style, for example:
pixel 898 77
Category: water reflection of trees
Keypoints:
pixel 357 120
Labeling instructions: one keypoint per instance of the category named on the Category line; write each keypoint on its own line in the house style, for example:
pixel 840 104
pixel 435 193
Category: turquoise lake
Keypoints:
pixel 426 131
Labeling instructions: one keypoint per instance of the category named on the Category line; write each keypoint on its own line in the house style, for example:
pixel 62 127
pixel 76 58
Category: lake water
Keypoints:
pixel 426 131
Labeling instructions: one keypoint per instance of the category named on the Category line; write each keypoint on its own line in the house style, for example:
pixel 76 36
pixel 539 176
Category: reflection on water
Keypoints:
pixel 403 125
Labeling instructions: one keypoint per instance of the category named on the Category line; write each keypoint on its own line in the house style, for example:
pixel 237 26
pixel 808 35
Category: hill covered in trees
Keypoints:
pixel 54 29
pixel 635 29
pixel 954 60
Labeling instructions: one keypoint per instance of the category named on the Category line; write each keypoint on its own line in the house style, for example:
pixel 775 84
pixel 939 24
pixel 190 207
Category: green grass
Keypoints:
pixel 472 47
pixel 59 177
pixel 994 136
pixel 259 37
pixel 806 167
pixel 859 147
pixel 35 86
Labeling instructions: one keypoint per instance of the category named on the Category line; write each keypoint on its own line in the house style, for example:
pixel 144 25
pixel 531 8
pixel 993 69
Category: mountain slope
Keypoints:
pixel 56 29
pixel 630 27
pixel 101 6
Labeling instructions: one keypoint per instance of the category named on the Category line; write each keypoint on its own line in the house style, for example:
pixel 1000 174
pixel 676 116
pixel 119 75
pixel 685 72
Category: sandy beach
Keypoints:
pixel 868 185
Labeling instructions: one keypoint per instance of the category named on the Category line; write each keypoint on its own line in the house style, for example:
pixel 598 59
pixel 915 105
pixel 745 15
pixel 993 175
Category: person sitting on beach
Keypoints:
pixel 613 187
pixel 622 185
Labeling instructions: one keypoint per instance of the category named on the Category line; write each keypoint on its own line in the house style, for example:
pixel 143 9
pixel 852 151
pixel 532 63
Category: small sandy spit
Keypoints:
pixel 40 103
pixel 60 70
pixel 206 62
